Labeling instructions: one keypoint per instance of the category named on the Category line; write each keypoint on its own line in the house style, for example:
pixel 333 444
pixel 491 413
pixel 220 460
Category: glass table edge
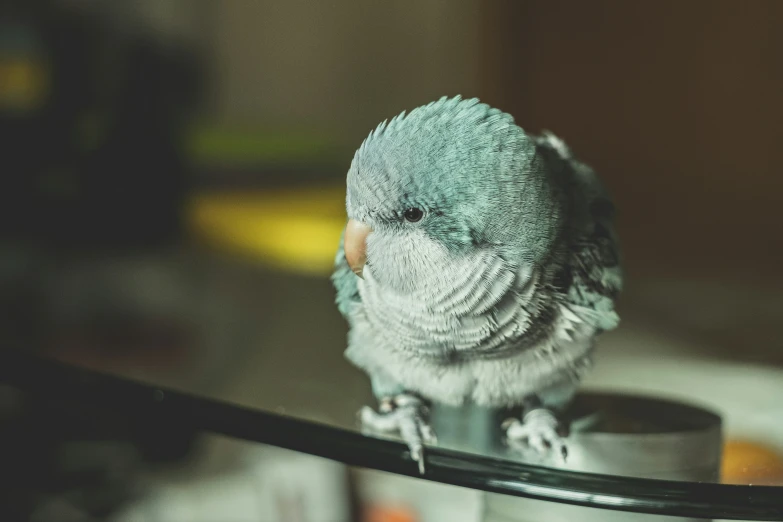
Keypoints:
pixel 47 378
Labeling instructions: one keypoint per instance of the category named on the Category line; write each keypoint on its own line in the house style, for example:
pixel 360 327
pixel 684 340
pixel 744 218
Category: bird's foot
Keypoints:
pixel 407 415
pixel 539 431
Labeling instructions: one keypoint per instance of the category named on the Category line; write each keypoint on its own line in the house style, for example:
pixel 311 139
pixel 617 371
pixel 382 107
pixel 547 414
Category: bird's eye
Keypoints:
pixel 413 214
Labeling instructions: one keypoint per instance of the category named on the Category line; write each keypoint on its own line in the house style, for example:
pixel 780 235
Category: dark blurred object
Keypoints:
pixel 21 296
pixel 678 107
pixel 127 312
pixel 61 461
pixel 92 120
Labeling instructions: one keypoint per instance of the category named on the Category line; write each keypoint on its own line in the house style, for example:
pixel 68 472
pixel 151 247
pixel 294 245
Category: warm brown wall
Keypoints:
pixel 679 104
pixel 339 67
pixel 334 67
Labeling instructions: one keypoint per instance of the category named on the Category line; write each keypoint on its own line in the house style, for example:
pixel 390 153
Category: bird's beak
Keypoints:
pixel 355 245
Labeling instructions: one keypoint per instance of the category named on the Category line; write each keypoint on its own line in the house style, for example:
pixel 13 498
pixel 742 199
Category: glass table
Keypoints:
pixel 256 355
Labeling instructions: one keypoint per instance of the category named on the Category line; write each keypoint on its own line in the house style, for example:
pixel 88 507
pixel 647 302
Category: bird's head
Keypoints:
pixel 434 187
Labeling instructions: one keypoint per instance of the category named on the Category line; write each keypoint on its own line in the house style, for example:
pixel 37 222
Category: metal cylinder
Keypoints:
pixel 610 434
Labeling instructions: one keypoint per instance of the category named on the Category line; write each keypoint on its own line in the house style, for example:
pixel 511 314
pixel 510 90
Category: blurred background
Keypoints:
pixel 173 183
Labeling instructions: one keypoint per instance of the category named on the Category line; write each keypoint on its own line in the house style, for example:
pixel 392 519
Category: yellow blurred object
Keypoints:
pixel 294 230
pixel 377 513
pixel 746 462
pixel 23 83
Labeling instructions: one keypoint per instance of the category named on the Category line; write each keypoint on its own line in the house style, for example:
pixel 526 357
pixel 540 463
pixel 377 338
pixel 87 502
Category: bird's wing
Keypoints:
pixel 344 281
pixel 594 270
pixel 596 274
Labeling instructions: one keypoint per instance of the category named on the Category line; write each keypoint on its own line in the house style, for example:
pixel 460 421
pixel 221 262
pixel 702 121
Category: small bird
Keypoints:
pixel 478 264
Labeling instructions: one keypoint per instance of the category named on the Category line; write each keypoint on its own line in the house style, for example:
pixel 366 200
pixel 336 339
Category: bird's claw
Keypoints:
pixel 407 415
pixel 539 431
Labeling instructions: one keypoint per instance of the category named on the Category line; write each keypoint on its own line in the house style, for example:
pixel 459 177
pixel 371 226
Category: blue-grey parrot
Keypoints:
pixel 479 263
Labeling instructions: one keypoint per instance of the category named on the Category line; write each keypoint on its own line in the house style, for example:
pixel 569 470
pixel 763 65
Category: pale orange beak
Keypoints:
pixel 355 245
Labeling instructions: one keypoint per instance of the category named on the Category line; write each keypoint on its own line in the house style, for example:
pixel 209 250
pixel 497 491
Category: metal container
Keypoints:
pixel 611 434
